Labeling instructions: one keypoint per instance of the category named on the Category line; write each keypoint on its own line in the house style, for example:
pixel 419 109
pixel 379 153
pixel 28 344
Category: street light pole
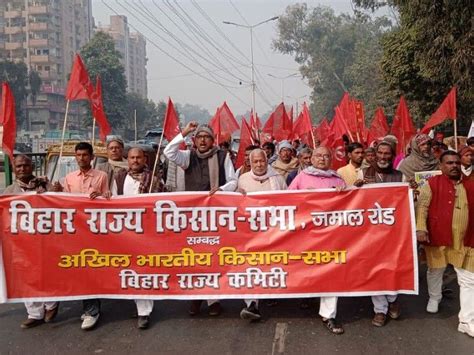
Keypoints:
pixel 251 27
pixel 282 78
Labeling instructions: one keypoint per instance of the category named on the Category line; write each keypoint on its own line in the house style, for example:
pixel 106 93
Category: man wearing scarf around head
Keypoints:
pixel 319 176
pixel 261 177
pixel 25 181
pixel 207 168
pixel 382 171
pixel 134 181
pixel 467 158
pixel 285 163
pixel 421 157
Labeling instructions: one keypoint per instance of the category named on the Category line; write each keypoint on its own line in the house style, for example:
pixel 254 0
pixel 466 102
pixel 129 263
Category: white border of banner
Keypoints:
pixel 3 293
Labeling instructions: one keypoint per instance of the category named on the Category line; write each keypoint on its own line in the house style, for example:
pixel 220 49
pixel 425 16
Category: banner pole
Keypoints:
pixel 58 165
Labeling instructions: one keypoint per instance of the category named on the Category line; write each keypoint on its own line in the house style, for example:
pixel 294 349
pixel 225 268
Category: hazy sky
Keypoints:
pixel 223 58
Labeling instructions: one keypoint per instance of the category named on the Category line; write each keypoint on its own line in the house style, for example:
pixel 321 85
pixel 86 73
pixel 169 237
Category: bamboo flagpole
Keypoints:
pixel 61 149
pixel 455 134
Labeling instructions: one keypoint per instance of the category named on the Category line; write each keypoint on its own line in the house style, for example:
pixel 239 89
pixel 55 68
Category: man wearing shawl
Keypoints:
pixel 205 169
pixel 245 168
pixel 319 176
pixel 25 181
pixel 285 163
pixel 261 177
pixel 382 171
pixel 116 160
pixel 134 181
pixel 421 157
pixel 444 221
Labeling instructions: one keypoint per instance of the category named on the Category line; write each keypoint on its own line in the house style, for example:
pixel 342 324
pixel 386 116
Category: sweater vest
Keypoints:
pixel 441 209
pixel 196 176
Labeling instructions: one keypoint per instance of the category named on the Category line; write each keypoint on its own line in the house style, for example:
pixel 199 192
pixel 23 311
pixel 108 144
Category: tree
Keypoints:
pixel 190 112
pixel 428 53
pixel 337 53
pixel 101 58
pixel 16 74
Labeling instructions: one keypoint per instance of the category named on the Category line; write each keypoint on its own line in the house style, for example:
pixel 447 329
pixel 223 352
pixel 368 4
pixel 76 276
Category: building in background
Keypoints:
pixel 132 47
pixel 46 34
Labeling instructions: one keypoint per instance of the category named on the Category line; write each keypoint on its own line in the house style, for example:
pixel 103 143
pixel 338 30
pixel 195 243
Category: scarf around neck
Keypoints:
pixel 144 178
pixel 38 184
pixel 213 163
pixel 311 170
pixel 270 175
pixel 416 162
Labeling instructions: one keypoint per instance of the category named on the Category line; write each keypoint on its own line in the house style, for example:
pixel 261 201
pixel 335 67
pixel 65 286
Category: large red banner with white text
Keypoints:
pixel 191 245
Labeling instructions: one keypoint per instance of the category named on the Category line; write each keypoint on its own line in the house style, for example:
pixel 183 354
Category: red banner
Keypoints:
pixel 191 245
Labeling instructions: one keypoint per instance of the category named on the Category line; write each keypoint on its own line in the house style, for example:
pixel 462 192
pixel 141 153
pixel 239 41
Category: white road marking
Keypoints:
pixel 281 331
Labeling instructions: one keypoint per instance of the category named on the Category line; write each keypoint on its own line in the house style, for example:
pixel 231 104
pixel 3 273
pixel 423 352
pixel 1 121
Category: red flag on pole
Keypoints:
pixel 402 126
pixel 79 86
pixel 348 114
pixel 302 128
pixel 379 127
pixel 245 141
pixel 8 120
pixel 98 111
pixel 223 123
pixel 338 129
pixel 171 122
pixel 360 120
pixel 447 110
pixel 278 124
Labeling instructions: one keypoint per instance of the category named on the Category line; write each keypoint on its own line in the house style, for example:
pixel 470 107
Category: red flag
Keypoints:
pixel 79 86
pixel 98 111
pixel 8 120
pixel 245 141
pixel 223 123
pixel 379 127
pixel 302 127
pixel 402 126
pixel 324 133
pixel 338 129
pixel 447 110
pixel 278 124
pixel 254 125
pixel 348 114
pixel 171 122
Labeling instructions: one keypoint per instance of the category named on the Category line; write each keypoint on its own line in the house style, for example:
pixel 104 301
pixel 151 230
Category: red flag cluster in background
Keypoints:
pixel 171 122
pixel 98 110
pixel 223 123
pixel 245 140
pixel 8 120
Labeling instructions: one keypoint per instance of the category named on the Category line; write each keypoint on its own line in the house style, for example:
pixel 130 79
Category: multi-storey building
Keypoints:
pixel 46 34
pixel 132 47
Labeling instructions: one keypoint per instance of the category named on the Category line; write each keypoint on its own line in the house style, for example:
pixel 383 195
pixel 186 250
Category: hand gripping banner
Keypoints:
pixel 191 245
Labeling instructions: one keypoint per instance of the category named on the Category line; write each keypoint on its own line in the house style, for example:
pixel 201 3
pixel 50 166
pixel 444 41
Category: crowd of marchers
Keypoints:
pixel 444 205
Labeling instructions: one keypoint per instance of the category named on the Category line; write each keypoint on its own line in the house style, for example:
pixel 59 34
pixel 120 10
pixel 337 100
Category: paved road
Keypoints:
pixel 286 329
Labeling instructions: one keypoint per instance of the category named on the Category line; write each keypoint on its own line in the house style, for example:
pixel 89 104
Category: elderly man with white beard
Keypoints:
pixel 261 177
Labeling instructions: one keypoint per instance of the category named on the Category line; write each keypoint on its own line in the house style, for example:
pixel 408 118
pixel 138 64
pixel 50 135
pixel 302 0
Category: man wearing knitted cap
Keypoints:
pixel 421 157
pixel 207 168
pixel 467 159
pixel 285 163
